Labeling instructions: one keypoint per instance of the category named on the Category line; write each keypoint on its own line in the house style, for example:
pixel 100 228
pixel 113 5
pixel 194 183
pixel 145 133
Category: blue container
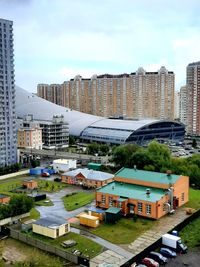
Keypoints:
pixel 174 232
pixel 35 171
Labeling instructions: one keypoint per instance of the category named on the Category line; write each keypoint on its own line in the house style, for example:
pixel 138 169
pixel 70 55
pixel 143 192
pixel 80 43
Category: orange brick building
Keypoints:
pixel 148 194
pixel 30 184
pixel 4 199
pixel 87 178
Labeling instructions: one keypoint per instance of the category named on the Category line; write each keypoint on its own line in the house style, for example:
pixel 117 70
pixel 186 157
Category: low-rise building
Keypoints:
pixel 4 199
pixel 87 178
pixel 30 184
pixel 64 165
pixel 146 193
pixel 29 133
pixel 51 227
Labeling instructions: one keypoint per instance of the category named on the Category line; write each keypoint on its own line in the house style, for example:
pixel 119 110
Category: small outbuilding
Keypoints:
pixel 4 199
pixel 112 215
pixel 51 227
pixel 97 213
pixel 89 220
pixel 30 184
pixel 64 165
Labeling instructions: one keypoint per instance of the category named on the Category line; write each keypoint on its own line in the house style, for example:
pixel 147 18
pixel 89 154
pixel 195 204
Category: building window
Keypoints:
pixel 140 207
pixel 148 209
pixel 103 199
pixel 110 200
pixel 165 207
pixel 182 196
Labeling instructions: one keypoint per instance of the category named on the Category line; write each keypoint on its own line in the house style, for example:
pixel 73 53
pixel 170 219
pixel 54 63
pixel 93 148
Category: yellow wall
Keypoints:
pixel 63 229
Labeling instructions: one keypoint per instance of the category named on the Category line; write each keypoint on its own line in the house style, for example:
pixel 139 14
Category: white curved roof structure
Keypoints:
pixel 88 126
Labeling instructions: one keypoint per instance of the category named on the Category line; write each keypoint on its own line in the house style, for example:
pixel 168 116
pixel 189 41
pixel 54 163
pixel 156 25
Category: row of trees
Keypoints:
pixel 18 204
pixel 10 169
pixel 157 157
pixel 100 149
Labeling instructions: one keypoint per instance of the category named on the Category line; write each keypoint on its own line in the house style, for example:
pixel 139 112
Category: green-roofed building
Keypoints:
pixel 146 193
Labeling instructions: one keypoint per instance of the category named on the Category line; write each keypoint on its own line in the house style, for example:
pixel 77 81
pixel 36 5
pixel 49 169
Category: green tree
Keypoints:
pixel 194 143
pixel 93 148
pixel 159 154
pixel 72 140
pixel 140 159
pixel 122 155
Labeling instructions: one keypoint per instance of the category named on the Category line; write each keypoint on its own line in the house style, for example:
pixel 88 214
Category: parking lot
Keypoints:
pixel 192 258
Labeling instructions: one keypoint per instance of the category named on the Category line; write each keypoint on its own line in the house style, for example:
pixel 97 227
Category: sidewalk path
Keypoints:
pixel 120 251
pixel 163 226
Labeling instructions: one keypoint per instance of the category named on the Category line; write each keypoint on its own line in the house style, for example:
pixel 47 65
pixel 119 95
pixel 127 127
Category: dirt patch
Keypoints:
pixel 12 254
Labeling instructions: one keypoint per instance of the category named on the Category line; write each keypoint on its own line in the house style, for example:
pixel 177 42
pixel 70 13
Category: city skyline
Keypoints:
pixel 55 41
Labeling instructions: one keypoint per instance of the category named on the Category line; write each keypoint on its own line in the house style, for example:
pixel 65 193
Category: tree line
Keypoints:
pixel 157 157
pixel 18 204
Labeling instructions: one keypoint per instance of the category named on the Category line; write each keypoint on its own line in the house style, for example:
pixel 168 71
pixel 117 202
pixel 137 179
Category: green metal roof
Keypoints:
pixel 132 191
pixel 148 176
pixel 113 210
pixel 3 195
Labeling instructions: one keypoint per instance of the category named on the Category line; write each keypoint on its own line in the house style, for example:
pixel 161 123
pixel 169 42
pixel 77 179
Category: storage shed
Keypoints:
pixel 112 215
pixel 94 166
pixel 97 213
pixel 4 199
pixel 30 184
pixel 51 227
pixel 89 220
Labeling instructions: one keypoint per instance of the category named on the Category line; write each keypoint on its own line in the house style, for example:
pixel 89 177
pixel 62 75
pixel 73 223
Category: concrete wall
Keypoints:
pixel 10 175
pixel 43 246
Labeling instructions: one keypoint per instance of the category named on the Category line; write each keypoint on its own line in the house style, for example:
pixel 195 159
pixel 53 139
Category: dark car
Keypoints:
pixel 158 257
pixel 166 252
pixel 150 262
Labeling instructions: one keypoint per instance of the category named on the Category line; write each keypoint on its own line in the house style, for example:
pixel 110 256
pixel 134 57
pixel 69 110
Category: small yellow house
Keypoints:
pixel 51 227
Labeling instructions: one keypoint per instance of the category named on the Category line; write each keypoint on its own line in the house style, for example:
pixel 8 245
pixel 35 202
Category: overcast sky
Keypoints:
pixel 58 39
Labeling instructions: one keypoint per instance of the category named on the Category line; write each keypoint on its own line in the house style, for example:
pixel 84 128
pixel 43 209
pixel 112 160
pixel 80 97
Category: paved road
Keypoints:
pixel 58 210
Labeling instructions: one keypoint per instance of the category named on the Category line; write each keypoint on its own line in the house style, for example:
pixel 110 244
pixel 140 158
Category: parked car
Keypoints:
pixel 158 257
pixel 45 174
pixel 150 262
pixel 168 252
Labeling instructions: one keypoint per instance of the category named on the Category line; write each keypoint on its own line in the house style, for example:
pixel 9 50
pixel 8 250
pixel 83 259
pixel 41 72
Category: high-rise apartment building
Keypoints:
pixel 183 104
pixel 137 95
pixel 193 109
pixel 8 138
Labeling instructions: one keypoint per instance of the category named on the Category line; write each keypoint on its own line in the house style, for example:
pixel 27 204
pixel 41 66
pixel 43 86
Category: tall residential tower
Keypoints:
pixel 8 138
pixel 193 109
pixel 136 95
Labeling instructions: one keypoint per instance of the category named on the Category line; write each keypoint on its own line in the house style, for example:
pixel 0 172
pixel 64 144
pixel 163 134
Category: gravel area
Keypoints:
pixel 192 259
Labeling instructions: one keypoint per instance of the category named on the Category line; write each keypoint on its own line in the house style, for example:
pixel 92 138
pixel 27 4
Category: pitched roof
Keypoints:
pixel 148 176
pixel 132 191
pixel 50 222
pixel 90 174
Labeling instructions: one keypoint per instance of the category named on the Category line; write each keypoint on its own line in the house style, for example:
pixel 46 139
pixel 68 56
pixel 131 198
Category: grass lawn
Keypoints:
pixel 33 256
pixel 125 231
pixel 50 186
pixel 190 234
pixel 44 202
pixel 85 245
pixel 78 200
pixel 6 186
pixel 194 199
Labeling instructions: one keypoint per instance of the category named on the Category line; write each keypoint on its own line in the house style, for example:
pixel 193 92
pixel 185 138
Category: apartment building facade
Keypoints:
pixel 8 138
pixel 193 107
pixel 183 104
pixel 29 133
pixel 137 95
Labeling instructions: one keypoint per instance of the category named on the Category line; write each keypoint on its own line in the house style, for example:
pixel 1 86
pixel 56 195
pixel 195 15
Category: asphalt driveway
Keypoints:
pixel 58 209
